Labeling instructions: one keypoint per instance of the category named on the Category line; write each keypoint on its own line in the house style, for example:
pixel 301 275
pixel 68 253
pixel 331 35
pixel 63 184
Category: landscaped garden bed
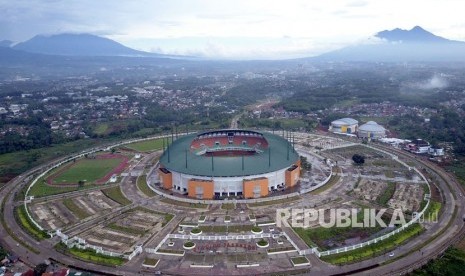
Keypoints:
pixel 188 245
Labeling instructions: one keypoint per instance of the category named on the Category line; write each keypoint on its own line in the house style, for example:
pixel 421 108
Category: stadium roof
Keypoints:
pixel 344 121
pixel 371 126
pixel 274 158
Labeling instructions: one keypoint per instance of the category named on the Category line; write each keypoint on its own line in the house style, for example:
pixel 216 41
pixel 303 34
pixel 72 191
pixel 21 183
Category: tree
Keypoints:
pixel 40 269
pixel 358 159
pixel 81 183
pixel 306 166
pixel 113 150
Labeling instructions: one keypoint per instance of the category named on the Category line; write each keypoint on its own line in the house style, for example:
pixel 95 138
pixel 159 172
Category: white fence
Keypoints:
pixel 220 237
pixel 82 244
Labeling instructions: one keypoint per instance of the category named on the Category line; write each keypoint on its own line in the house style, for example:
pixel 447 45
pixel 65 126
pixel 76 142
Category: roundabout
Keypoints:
pixel 115 227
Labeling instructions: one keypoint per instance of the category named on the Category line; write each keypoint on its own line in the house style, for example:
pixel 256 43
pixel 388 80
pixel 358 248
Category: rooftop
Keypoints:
pixel 372 127
pixel 181 159
pixel 344 121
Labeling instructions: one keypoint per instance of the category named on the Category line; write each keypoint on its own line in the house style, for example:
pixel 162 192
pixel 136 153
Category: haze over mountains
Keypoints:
pixel 395 45
pixel 77 45
pixel 400 45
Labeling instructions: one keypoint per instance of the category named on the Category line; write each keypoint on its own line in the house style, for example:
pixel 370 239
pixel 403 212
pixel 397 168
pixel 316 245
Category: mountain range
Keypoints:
pixel 78 45
pixel 399 45
pixel 395 45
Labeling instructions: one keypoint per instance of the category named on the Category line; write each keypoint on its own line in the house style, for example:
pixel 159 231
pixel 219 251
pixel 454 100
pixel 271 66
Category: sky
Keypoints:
pixel 233 29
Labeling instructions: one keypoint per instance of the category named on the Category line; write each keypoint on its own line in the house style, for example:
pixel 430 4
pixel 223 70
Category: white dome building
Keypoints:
pixel 371 130
pixel 344 125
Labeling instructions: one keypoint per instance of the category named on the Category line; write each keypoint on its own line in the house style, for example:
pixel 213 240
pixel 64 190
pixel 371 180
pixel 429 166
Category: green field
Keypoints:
pixel 142 186
pixel 145 146
pixel 116 194
pixel 88 170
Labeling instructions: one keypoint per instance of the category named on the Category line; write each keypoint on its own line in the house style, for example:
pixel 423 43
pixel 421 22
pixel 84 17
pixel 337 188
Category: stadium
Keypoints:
pixel 223 163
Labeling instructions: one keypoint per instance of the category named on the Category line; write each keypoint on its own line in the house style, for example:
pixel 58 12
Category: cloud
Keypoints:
pixel 355 4
pixel 435 82
pixel 241 47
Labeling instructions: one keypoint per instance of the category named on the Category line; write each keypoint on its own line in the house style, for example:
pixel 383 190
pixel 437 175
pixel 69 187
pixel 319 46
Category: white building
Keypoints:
pixel 436 151
pixel 371 130
pixel 418 146
pixel 344 125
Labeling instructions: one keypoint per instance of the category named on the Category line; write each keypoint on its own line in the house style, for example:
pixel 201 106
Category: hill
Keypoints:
pixel 399 45
pixel 78 45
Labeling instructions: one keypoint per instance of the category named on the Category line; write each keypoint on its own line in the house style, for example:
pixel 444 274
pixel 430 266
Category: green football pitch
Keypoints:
pixel 88 170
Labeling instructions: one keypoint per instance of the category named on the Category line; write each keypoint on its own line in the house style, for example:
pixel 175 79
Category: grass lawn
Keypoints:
pixel 167 216
pixel 184 204
pixel 116 194
pixel 41 189
pixel 432 213
pixel 124 229
pixel 101 128
pixel 374 249
pixel 88 170
pixel 142 186
pixel 389 174
pixel 75 209
pixel 299 260
pixel 332 181
pixel 91 256
pixel 281 249
pixel 150 261
pixel 227 206
pixel 27 224
pixel 272 202
pixel 144 146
